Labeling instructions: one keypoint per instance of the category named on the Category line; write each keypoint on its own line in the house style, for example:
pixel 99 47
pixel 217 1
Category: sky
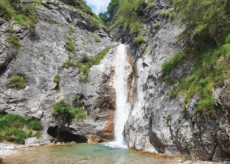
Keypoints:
pixel 98 6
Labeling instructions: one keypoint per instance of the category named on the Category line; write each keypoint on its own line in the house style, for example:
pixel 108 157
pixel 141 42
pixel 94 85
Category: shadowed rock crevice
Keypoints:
pixel 65 136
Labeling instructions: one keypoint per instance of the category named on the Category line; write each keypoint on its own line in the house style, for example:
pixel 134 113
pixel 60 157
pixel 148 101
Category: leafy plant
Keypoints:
pixel 139 40
pixel 71 30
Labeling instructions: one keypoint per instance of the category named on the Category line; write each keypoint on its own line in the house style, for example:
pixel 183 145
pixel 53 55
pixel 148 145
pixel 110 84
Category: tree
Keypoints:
pixel 103 17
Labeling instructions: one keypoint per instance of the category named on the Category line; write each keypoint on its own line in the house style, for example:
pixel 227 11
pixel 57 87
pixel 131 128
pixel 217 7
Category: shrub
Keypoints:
pixel 172 63
pixel 67 113
pixel 96 39
pixel 16 82
pixel 62 110
pixel 57 79
pixel 69 45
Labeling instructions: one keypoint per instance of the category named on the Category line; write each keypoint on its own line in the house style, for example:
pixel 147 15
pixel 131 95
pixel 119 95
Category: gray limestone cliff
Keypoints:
pixel 157 123
pixel 42 56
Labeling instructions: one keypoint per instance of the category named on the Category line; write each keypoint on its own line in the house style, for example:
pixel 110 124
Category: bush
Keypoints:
pixel 172 63
pixel 38 135
pixel 57 79
pixel 62 110
pixel 67 113
pixel 69 45
pixel 16 82
pixel 96 39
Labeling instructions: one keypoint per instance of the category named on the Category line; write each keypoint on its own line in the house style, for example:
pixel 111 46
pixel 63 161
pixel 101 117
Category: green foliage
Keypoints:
pixel 169 80
pixel 165 12
pixel 168 119
pixel 112 8
pixel 210 13
pixel 63 110
pixel 68 64
pixel 38 135
pixel 210 71
pixel 16 82
pixel 25 15
pixel 96 39
pixel 12 125
pixel 158 24
pixel 67 113
pixel 227 40
pixel 75 97
pixel 151 51
pixel 139 40
pixel 103 17
pixel 69 45
pixel 13 40
pixel 150 4
pixel 71 30
pixel 61 25
pixel 145 32
pixel 83 79
pixel 100 56
pixel 128 15
pixel 35 125
pixel 57 79
pixel 172 63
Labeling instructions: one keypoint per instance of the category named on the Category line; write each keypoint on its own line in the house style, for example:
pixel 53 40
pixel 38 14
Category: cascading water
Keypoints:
pixel 120 84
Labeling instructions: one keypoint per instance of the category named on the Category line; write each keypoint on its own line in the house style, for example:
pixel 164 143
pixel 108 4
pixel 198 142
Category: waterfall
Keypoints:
pixel 120 84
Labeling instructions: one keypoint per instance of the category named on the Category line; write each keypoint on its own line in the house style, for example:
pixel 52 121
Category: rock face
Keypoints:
pixel 41 57
pixel 157 123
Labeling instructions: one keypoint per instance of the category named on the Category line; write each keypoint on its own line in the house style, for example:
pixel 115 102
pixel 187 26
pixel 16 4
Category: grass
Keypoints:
pixel 68 64
pixel 61 25
pixel 67 113
pixel 16 82
pixel 96 39
pixel 150 4
pixel 69 45
pixel 165 12
pixel 12 128
pixel 71 30
pixel 172 63
pixel 24 15
pixel 139 40
pixel 13 40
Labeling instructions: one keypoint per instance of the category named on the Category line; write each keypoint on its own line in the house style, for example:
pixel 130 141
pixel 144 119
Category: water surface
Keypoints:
pixel 84 154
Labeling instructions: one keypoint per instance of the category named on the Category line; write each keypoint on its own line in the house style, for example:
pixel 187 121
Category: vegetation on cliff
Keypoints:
pixel 209 26
pixel 15 128
pixel 67 113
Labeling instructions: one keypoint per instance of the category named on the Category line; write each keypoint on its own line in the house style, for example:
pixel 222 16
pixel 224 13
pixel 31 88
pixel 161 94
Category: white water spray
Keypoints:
pixel 120 84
